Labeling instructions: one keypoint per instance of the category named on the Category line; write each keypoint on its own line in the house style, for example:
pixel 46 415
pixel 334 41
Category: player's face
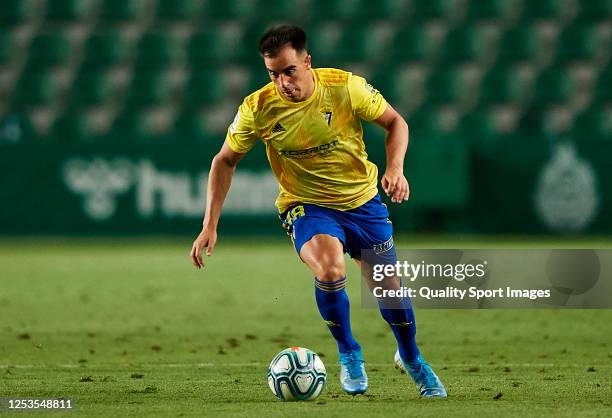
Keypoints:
pixel 290 72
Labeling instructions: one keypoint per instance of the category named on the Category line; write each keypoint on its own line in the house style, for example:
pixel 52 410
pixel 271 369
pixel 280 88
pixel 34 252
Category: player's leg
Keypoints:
pixel 371 230
pixel 324 255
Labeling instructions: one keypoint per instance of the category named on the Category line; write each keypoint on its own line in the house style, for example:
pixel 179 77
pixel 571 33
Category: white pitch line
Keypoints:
pixel 221 365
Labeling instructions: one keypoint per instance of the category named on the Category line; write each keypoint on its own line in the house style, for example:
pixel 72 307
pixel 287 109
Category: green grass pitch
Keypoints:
pixel 129 328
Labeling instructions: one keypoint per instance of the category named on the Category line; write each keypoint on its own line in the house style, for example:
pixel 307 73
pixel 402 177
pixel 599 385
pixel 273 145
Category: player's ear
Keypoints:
pixel 308 61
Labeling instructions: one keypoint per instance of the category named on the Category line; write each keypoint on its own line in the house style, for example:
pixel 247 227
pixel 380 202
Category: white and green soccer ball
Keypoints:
pixel 297 374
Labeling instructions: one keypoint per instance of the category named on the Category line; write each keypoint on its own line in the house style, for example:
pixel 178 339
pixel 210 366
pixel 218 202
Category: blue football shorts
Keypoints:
pixel 366 228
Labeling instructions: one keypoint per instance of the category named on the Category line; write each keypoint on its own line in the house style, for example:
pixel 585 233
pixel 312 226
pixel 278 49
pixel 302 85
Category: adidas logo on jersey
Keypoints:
pixel 278 128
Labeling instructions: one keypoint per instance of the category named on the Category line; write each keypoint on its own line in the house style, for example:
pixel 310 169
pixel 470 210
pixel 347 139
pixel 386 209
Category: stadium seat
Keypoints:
pixel 391 83
pixel 446 86
pixel 49 48
pixel 497 10
pixel 91 89
pixel 465 44
pixel 35 89
pixel 432 10
pixel 104 49
pixel 322 43
pixel 329 10
pixel 7 46
pixel 411 44
pixel 177 10
pixel 553 86
pixel 14 12
pixel 71 128
pixel 577 43
pixel 544 9
pixel 519 44
pixel 590 11
pixel 277 10
pixel 211 46
pixel 501 86
pixel 602 90
pixel 148 89
pixel 67 10
pixel 157 50
pixel 425 123
pixel 594 123
pixel 356 44
pixel 478 125
pixel 131 127
pixel 190 126
pixel 121 11
pixel 382 10
pixel 228 10
pixel 204 88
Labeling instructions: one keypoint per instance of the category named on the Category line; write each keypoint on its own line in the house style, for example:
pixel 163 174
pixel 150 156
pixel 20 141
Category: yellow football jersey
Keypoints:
pixel 315 147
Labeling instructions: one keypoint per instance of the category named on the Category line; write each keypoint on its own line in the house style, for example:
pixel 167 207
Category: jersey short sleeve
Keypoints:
pixel 242 133
pixel 367 102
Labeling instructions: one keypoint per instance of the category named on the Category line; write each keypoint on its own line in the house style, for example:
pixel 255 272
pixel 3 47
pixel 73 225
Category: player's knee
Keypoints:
pixel 331 270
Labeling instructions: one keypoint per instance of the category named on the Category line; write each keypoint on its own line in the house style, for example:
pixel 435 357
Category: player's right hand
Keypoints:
pixel 206 238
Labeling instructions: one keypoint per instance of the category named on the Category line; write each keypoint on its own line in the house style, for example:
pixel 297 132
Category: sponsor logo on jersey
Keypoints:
pixel 310 152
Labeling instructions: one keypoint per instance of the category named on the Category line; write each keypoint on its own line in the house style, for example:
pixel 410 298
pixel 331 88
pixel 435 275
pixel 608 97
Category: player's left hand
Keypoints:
pixel 395 185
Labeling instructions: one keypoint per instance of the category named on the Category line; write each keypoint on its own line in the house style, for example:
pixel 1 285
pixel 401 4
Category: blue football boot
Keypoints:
pixel 427 381
pixel 353 377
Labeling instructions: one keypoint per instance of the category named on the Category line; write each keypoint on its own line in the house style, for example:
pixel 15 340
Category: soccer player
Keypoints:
pixel 310 122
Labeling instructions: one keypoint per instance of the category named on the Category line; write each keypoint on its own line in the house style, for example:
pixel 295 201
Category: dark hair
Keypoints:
pixel 277 37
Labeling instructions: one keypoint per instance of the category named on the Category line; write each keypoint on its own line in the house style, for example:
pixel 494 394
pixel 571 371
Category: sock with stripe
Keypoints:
pixel 401 320
pixel 334 307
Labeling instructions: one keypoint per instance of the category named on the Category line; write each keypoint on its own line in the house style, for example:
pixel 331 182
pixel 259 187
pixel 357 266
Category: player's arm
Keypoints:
pixel 219 179
pixel 394 182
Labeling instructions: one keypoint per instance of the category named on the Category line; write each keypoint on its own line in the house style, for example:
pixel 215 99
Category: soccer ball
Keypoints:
pixel 296 374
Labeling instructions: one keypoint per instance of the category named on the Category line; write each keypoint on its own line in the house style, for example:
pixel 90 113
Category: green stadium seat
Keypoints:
pixel 322 45
pixel 131 127
pixel 104 49
pixel 502 85
pixel 35 89
pixel 577 43
pixel 478 124
pixel 464 44
pixel 148 89
pixel 205 88
pixel 367 10
pixel 519 44
pixel 177 10
pixel 49 48
pixel 425 122
pixel 411 44
pixel 14 12
pixel 279 10
pixel 121 11
pixel 498 10
pixel 7 46
pixel 590 11
pixel 72 128
pixel 446 86
pixel 602 90
pixel 190 126
pixel 432 10
pixel 67 10
pixel 594 123
pixel 212 46
pixel 533 121
pixel 544 9
pixel 228 10
pixel 157 50
pixel 553 86
pixel 91 89
pixel 356 44
pixel 16 127
pixel 329 10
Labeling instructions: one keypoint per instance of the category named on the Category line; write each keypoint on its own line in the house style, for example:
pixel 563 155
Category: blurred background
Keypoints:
pixel 110 111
